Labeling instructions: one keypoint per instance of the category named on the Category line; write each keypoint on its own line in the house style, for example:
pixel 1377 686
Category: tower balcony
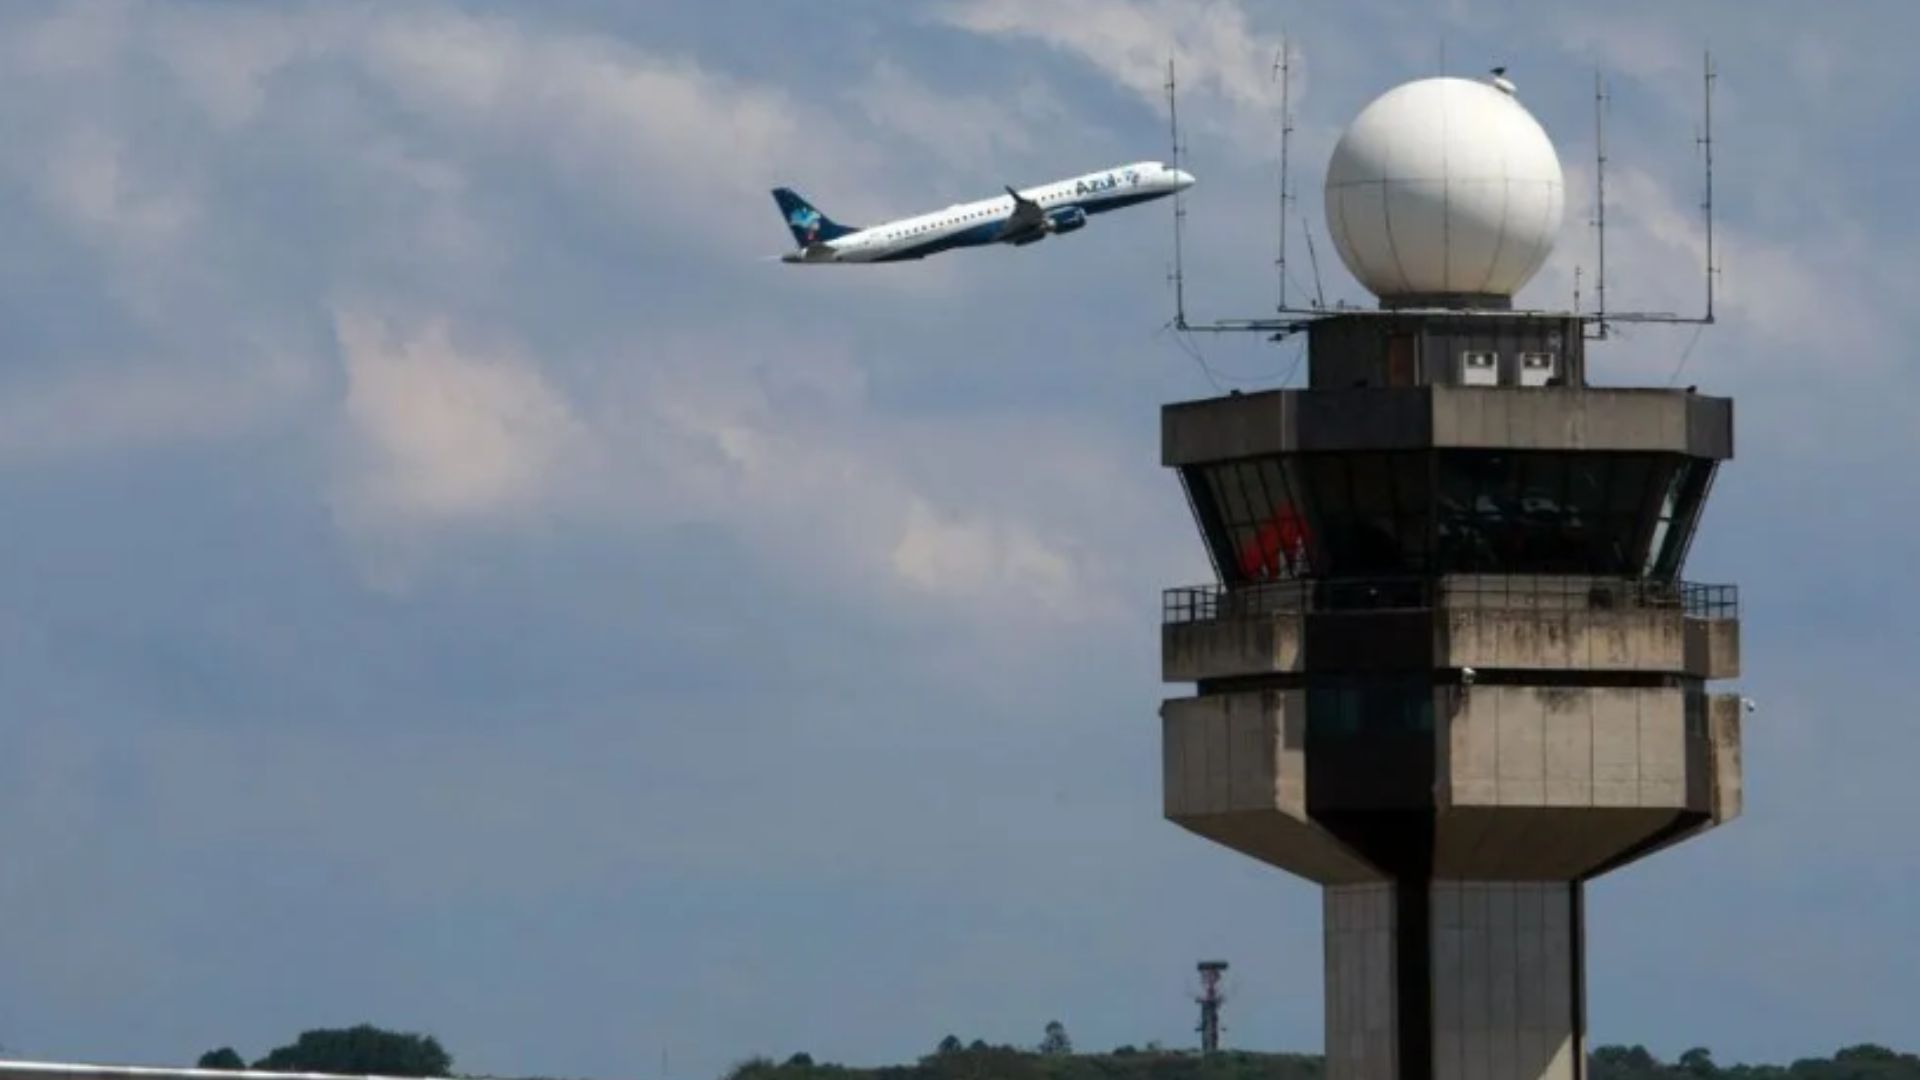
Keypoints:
pixel 1351 781
pixel 1495 623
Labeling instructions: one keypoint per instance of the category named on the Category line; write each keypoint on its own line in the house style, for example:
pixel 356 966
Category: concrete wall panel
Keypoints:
pixel 1724 718
pixel 1524 746
pixel 1569 753
pixel 1713 648
pixel 1663 748
pixel 1556 639
pixel 1173 788
pixel 1362 1015
pixel 1521 720
pixel 1223 648
pixel 1502 980
pixel 1616 749
pixel 1551 635
pixel 1234 766
pixel 1286 421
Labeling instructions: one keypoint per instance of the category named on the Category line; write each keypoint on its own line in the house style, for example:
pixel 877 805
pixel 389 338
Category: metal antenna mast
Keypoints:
pixel 1285 66
pixel 1313 260
pixel 1706 141
pixel 1210 999
pixel 1600 203
pixel 1293 317
pixel 1179 206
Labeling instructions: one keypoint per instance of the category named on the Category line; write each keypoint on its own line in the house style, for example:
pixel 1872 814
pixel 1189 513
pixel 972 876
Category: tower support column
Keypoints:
pixel 1455 980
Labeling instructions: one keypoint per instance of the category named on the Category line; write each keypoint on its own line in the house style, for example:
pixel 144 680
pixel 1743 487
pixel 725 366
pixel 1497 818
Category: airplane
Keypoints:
pixel 1018 217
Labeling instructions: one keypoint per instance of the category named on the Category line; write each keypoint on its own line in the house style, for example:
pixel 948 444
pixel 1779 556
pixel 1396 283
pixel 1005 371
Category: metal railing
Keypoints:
pixel 1510 592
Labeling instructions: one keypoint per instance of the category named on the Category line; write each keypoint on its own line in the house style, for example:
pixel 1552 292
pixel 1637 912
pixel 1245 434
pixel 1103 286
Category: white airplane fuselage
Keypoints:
pixel 1017 218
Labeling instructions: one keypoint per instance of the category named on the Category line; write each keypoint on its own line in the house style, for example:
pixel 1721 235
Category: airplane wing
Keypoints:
pixel 1027 223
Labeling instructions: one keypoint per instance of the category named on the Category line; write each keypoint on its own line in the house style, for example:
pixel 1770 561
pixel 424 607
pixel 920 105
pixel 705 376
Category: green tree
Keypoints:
pixel 1866 1052
pixel 226 1058
pixel 1055 1042
pixel 756 1068
pixel 1698 1062
pixel 950 1045
pixel 360 1050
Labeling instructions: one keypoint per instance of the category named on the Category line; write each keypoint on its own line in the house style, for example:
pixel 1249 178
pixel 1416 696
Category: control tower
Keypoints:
pixel 1450 669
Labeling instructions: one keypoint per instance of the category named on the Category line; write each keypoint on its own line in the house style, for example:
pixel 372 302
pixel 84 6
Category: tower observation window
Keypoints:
pixel 1260 535
pixel 1380 514
pixel 1616 514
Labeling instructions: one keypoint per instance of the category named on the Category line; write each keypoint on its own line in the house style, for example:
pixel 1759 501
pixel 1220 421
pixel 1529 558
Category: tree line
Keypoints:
pixel 1053 1059
pixel 367 1050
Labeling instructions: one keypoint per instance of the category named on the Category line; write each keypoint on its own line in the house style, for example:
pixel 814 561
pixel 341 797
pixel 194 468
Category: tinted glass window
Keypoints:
pixel 1615 514
pixel 1261 535
pixel 1454 511
pixel 1341 706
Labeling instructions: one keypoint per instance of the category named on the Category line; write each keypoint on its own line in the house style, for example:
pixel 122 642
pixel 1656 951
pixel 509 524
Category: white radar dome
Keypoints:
pixel 1444 192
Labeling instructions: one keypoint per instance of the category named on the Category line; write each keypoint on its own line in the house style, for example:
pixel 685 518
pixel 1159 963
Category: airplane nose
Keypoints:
pixel 1182 179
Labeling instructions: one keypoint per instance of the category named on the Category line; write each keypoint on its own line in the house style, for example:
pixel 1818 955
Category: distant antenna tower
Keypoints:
pixel 1210 998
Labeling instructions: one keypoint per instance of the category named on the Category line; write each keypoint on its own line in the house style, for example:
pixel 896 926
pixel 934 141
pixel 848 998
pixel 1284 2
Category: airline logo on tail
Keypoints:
pixel 805 223
pixel 808 225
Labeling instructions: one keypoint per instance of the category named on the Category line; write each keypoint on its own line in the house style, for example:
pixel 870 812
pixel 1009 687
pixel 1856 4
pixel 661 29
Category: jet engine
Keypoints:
pixel 1066 219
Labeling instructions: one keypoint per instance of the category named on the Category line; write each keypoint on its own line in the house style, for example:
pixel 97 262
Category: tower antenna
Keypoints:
pixel 1600 204
pixel 1301 305
pixel 1210 999
pixel 1706 142
pixel 1319 294
pixel 1179 206
pixel 1284 64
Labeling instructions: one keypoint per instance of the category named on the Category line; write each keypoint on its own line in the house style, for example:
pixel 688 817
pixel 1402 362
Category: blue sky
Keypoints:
pixel 451 580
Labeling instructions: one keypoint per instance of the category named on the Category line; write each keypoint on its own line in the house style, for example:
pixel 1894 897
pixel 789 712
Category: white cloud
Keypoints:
pixel 960 559
pixel 1783 296
pixel 1637 46
pixel 796 462
pixel 790 459
pixel 1217 51
pixel 441 432
pixel 962 130
pixel 661 141
pixel 402 114
pixel 661 137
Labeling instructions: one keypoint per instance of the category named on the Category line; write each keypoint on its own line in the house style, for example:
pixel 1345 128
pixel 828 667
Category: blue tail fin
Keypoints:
pixel 809 226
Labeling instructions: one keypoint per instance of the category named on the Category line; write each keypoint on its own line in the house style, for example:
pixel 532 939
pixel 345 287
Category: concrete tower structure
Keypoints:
pixel 1450 669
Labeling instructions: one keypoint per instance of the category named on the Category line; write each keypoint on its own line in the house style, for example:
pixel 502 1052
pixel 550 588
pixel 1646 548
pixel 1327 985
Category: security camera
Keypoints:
pixel 1750 704
pixel 1467 675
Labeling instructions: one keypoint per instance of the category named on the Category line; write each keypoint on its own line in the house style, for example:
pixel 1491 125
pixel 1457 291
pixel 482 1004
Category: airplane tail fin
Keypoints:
pixel 809 226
